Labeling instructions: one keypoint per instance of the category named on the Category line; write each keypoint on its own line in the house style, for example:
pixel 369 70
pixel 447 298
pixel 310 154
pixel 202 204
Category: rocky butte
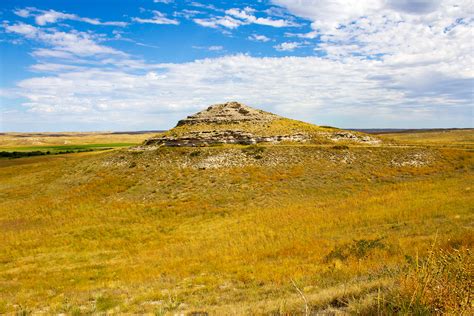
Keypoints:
pixel 236 123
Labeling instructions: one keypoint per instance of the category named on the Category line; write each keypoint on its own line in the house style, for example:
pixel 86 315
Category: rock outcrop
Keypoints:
pixel 228 113
pixel 209 138
pixel 209 127
pixel 351 137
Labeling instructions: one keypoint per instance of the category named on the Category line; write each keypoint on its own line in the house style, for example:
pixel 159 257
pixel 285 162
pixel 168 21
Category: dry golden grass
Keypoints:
pixel 282 126
pixel 18 140
pixel 443 138
pixel 140 232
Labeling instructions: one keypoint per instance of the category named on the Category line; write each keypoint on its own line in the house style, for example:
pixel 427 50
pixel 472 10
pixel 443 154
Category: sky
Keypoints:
pixel 122 65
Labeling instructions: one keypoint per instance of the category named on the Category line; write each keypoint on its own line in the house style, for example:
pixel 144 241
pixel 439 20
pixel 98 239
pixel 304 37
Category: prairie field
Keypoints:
pixel 236 230
pixel 44 140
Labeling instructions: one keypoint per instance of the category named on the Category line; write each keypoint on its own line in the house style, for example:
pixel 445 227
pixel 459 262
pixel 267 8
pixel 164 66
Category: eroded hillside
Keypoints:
pixel 235 123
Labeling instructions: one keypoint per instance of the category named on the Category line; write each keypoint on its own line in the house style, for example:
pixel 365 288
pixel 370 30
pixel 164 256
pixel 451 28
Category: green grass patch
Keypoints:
pixel 31 151
pixel 67 147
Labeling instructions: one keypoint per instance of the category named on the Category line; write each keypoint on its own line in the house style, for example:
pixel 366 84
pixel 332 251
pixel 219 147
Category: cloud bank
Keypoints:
pixel 375 63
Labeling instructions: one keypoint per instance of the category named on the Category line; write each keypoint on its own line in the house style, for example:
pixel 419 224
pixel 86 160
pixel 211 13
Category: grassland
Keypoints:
pixel 38 141
pixel 288 229
pixel 460 138
pixel 16 145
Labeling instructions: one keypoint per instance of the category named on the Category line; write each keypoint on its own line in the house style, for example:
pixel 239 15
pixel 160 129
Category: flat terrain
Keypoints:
pixel 42 141
pixel 239 229
pixel 17 145
pixel 460 138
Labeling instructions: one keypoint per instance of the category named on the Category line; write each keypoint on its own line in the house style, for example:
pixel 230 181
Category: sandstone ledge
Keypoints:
pixel 209 138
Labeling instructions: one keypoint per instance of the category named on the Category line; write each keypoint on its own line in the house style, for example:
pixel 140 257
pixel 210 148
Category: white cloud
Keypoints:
pixel 315 89
pixel 188 14
pixel 215 22
pixel 237 17
pixel 329 14
pixel 213 48
pixel 54 68
pixel 43 17
pixel 52 53
pixel 216 48
pixel 308 35
pixel 62 43
pixel 163 1
pixel 398 32
pixel 26 30
pixel 383 63
pixel 287 46
pixel 205 6
pixel 246 15
pixel 158 18
pixel 24 13
pixel 258 38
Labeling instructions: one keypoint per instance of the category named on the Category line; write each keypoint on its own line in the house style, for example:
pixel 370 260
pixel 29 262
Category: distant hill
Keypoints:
pixel 236 123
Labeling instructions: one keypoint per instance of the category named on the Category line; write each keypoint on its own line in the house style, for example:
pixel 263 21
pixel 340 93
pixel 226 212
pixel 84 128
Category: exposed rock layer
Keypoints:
pixel 228 113
pixel 235 123
pixel 207 138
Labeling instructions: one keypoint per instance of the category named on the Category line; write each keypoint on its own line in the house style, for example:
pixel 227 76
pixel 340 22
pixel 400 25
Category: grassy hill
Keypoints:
pixel 238 230
pixel 234 116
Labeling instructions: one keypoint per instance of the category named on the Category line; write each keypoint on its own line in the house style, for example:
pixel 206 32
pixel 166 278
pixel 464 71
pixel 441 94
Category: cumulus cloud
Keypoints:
pixel 216 22
pixel 236 17
pixel 311 88
pixel 379 63
pixel 158 18
pixel 43 17
pixel 398 32
pixel 246 15
pixel 62 43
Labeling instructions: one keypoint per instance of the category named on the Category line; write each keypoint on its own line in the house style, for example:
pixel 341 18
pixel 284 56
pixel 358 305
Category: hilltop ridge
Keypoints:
pixel 236 123
pixel 228 113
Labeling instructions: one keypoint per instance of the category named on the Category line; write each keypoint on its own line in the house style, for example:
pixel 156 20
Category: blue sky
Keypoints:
pixel 139 65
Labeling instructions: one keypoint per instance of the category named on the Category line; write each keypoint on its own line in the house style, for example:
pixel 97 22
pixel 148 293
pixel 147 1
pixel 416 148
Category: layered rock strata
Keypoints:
pixel 209 138
pixel 228 113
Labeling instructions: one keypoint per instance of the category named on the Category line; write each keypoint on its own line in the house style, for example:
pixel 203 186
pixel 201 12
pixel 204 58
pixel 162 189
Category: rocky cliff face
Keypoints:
pixel 209 138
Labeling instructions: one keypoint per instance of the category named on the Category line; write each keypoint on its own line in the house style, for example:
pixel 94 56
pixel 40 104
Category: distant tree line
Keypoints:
pixel 20 154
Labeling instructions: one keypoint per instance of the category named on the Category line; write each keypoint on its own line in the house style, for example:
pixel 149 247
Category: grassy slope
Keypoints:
pixel 282 126
pixel 148 235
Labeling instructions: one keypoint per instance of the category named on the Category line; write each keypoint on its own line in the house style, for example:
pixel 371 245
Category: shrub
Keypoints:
pixel 105 303
pixel 195 153
pixel 339 147
pixel 358 249
pixel 254 151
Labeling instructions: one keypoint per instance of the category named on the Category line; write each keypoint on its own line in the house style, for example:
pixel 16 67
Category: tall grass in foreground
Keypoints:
pixel 81 237
pixel 441 283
